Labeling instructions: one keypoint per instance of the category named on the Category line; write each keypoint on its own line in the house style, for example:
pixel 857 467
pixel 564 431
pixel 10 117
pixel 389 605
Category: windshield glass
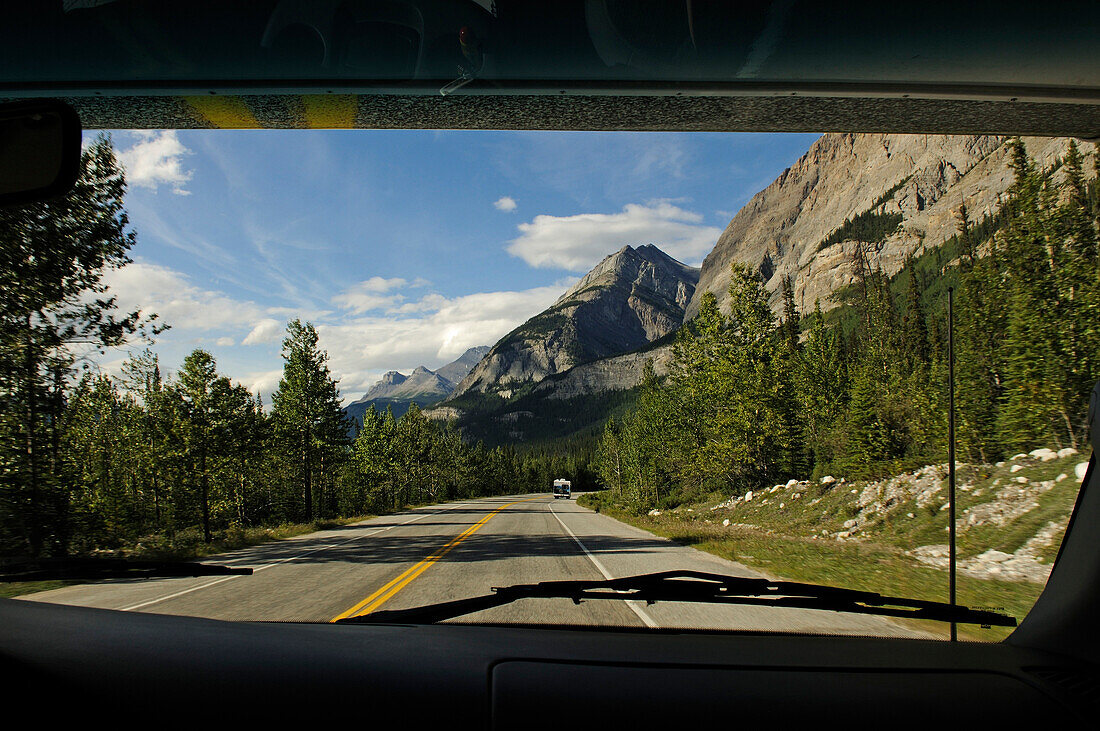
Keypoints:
pixel 386 370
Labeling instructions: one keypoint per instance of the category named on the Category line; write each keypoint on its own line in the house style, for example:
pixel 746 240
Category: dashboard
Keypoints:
pixel 173 669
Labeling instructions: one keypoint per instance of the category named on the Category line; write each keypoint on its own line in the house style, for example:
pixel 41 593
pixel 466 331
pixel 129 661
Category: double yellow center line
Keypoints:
pixel 383 595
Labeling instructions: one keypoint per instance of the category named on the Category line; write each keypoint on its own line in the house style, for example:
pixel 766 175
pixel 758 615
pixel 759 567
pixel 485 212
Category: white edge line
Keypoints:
pixel 140 605
pixel 642 614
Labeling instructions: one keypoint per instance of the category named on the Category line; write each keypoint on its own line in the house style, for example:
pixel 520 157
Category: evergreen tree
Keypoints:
pixel 914 326
pixel 1078 280
pixel 242 427
pixel 981 324
pixel 609 458
pixel 820 387
pixel 142 378
pixel 52 262
pixel 101 507
pixel 791 324
pixel 198 394
pixel 1035 403
pixel 306 408
pixel 368 466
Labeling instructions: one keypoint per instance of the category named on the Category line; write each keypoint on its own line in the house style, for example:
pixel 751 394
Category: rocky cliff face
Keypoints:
pixel 630 299
pixel 924 178
pixel 617 373
pixel 456 370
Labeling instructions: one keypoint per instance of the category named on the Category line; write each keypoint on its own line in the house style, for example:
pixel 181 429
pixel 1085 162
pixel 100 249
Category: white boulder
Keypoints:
pixel 1043 454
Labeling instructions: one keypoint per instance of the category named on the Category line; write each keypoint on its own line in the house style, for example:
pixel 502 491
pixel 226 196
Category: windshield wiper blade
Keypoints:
pixel 92 569
pixel 698 586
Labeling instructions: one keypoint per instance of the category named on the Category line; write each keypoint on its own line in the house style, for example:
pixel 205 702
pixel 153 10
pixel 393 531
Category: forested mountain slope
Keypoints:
pixel 896 194
pixel 753 399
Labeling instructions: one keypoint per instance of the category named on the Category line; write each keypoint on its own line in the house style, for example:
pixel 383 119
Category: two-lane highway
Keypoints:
pixel 456 551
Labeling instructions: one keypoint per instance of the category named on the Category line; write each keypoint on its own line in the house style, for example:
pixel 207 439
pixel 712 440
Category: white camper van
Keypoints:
pixel 562 488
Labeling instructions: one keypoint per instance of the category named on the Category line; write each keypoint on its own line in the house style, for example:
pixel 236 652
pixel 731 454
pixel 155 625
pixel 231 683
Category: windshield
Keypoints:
pixel 387 370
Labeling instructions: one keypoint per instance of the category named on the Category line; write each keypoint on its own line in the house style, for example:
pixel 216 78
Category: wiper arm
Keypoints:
pixel 698 586
pixel 92 569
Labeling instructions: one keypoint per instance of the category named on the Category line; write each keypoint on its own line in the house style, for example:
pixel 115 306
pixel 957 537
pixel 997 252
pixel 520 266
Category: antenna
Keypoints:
pixel 951 452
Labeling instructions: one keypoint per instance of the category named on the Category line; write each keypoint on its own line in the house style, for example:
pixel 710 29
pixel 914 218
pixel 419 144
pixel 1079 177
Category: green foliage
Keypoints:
pixel 862 391
pixel 535 419
pixel 721 420
pixel 53 256
pixel 889 194
pixel 868 227
pixel 1046 281
pixel 307 416
pixel 536 328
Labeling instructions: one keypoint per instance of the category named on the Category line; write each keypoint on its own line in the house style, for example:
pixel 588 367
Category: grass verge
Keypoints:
pixel 18 588
pixel 862 565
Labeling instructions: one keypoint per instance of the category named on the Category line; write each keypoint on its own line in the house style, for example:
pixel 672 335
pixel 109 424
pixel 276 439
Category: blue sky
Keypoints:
pixel 404 247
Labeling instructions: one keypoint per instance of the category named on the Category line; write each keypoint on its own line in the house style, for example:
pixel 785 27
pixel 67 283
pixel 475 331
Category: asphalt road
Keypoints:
pixel 455 551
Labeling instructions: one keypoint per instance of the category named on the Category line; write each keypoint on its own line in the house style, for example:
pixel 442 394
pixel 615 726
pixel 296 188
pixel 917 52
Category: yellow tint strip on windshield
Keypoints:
pixel 224 112
pixel 387 592
pixel 330 111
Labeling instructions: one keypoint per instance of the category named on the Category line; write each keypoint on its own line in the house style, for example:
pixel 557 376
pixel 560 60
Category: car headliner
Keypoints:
pixel 846 111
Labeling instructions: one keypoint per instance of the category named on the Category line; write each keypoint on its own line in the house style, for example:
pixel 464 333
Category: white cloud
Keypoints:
pixel 263 382
pixel 359 300
pixel 427 303
pixel 431 330
pixel 381 284
pixel 155 160
pixel 506 204
pixel 266 331
pixel 577 243
pixel 362 348
pixel 155 288
pixel 225 342
pixel 377 293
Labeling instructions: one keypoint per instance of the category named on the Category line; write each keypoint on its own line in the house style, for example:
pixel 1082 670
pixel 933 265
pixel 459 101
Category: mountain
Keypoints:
pixel 390 382
pixel 897 193
pixel 889 196
pixel 630 299
pixel 423 386
pixel 457 370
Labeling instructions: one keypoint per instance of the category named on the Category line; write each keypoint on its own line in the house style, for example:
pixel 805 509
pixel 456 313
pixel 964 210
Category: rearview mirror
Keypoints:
pixel 39 150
